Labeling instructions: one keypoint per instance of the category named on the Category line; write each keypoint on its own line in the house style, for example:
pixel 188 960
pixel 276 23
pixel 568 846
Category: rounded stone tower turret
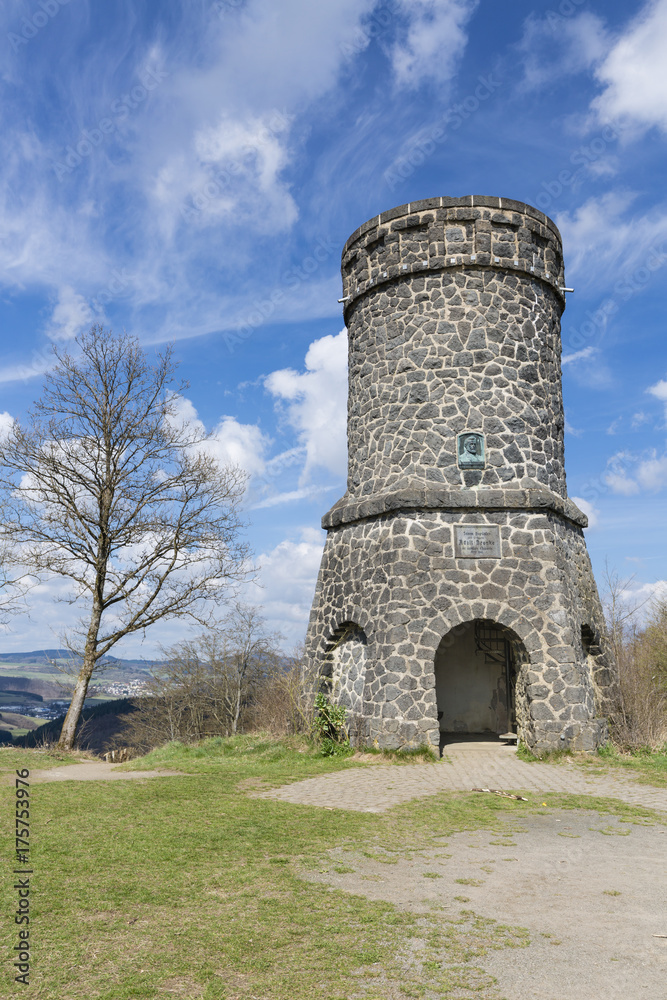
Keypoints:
pixel 455 593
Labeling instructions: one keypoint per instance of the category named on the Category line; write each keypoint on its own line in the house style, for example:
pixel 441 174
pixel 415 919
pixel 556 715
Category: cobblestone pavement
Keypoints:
pixel 464 767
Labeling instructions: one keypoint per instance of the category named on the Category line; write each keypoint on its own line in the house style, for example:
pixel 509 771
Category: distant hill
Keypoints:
pixel 98 727
pixel 37 656
pixel 39 688
pixel 43 657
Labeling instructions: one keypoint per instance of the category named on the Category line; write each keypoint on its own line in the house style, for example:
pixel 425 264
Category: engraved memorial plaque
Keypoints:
pixel 470 450
pixel 477 541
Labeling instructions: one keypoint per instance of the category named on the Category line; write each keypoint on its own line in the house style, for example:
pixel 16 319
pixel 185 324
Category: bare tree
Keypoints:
pixel 639 639
pixel 106 486
pixel 655 637
pixel 206 682
pixel 247 645
pixel 13 584
pixel 621 611
pixel 285 700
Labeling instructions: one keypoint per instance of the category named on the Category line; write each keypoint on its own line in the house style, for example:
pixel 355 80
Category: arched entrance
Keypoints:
pixel 476 666
pixel 344 676
pixel 344 669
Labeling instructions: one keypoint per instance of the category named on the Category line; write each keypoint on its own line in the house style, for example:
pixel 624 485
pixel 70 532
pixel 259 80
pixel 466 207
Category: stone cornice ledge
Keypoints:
pixel 348 510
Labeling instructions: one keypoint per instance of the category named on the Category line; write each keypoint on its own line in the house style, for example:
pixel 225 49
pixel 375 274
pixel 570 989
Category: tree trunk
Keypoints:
pixel 237 705
pixel 68 732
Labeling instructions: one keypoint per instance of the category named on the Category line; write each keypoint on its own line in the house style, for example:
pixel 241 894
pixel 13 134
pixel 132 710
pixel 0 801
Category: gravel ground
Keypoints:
pixel 589 888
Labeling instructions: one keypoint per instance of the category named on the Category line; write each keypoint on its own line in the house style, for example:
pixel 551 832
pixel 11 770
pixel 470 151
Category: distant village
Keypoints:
pixel 123 689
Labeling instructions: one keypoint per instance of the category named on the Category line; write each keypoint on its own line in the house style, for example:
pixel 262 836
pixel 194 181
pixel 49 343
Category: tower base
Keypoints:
pixel 459 611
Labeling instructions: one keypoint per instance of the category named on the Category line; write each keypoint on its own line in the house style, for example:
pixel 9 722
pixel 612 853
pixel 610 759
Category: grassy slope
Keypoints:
pixel 648 767
pixel 187 887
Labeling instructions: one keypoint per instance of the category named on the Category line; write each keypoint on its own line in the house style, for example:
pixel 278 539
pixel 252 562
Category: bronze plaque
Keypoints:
pixel 471 450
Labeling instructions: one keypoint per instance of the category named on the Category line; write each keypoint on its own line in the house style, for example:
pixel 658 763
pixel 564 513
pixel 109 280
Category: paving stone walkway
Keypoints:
pixel 464 767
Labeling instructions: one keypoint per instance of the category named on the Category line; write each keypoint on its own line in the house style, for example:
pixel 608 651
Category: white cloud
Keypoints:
pixel 618 482
pixel 605 245
pixel 72 315
pixel 630 474
pixel 227 109
pixel 642 596
pixel 433 42
pixel 652 473
pixel 594 374
pixel 554 46
pixel 587 352
pixel 234 163
pixel 659 390
pixel 290 497
pixel 6 424
pixel 590 510
pixel 633 72
pixel 230 442
pixel 240 444
pixel 286 583
pixel 317 403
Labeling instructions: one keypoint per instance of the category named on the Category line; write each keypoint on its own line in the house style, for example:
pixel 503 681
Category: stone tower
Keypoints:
pixel 455 592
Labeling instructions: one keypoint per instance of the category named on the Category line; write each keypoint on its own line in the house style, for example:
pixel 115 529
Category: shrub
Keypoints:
pixel 330 729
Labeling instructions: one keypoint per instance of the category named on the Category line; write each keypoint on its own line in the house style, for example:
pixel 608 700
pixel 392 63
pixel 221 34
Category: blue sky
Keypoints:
pixel 189 172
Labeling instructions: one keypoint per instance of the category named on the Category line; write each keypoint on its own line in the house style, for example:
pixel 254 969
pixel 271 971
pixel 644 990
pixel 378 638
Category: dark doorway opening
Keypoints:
pixel 476 665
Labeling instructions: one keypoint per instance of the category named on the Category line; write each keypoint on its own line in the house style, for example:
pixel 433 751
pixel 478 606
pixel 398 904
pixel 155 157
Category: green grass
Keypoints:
pixel 21 670
pixel 286 760
pixel 12 759
pixel 647 766
pixel 188 887
pixel 407 756
pixel 548 757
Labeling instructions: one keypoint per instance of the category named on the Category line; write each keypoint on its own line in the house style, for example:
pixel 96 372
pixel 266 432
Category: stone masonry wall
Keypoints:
pixel 396 577
pixel 454 325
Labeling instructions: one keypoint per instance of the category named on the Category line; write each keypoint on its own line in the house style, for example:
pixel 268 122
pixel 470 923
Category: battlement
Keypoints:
pixel 444 234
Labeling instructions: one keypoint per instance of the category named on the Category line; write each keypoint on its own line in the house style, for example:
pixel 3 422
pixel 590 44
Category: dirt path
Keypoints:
pixel 90 770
